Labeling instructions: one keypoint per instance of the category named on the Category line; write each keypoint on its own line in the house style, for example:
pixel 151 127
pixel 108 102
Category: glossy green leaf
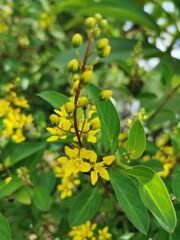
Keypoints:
pixel 5 233
pixel 54 98
pixel 41 198
pixel 155 196
pixel 136 142
pixel 24 195
pixel 121 50
pixel 7 189
pixel 23 150
pixel 126 10
pixel 155 165
pixel 85 206
pixel 176 186
pixel 109 119
pixel 129 200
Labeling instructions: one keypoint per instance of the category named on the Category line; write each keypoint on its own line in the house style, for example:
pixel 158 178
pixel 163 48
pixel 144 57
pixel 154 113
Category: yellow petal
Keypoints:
pixel 91 138
pixel 85 167
pixel 70 168
pixel 108 159
pixel 51 130
pixel 104 173
pixel 71 153
pixel 92 156
pixel 52 138
pixel 94 177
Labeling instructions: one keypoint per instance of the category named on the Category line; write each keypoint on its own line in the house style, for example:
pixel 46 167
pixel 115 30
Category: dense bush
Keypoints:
pixel 90 120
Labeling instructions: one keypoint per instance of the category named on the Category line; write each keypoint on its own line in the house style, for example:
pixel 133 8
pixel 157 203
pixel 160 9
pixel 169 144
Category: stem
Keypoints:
pixel 163 103
pixel 83 68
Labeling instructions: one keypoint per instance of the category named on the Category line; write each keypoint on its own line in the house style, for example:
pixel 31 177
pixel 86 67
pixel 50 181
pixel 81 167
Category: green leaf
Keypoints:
pixel 24 195
pixel 7 189
pixel 5 233
pixel 85 206
pixel 41 198
pixel 129 200
pixel 121 50
pixel 136 142
pixel 23 150
pixel 120 9
pixel 176 186
pixel 155 165
pixel 109 119
pixel 155 196
pixel 54 98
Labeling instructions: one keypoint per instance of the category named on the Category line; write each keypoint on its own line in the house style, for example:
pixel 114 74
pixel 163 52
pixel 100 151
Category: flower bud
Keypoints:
pixel 95 123
pixel 82 102
pixel 77 40
pixel 86 77
pixel 76 84
pixel 105 51
pixel 90 22
pixel 97 32
pixel 73 65
pixel 102 43
pixel 105 95
pixel 103 24
pixel 69 106
pixel 54 119
pixel 75 77
pixel 98 16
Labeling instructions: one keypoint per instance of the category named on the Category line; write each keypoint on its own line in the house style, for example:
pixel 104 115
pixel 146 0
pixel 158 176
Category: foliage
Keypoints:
pixel 90 120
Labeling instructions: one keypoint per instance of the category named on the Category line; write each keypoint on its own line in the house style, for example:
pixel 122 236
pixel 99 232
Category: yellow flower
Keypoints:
pixel 77 159
pixel 100 168
pixel 68 183
pixel 104 234
pixel 13 119
pixel 83 232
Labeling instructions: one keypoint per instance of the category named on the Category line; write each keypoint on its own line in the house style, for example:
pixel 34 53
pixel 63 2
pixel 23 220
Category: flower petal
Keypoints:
pixel 104 173
pixel 108 159
pixel 52 138
pixel 94 177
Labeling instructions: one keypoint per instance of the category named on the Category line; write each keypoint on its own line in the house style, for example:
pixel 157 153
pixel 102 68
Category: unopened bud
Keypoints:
pixel 76 84
pixel 90 22
pixel 82 102
pixel 102 43
pixel 69 106
pixel 103 24
pixel 105 95
pixel 86 77
pixel 73 65
pixel 77 40
pixel 75 77
pixel 98 16
pixel 97 32
pixel 105 51
pixel 95 123
pixel 54 119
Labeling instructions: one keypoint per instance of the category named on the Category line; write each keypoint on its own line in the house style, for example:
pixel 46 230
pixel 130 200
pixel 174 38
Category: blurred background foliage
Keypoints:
pixel 143 70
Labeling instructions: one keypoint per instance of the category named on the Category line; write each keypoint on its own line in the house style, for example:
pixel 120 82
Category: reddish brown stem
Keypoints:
pixel 83 68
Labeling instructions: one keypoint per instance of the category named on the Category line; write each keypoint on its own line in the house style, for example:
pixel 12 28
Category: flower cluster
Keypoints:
pixel 68 183
pixel 77 120
pixel 46 20
pixel 11 112
pixel 87 231
pixel 6 11
pixel 168 158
